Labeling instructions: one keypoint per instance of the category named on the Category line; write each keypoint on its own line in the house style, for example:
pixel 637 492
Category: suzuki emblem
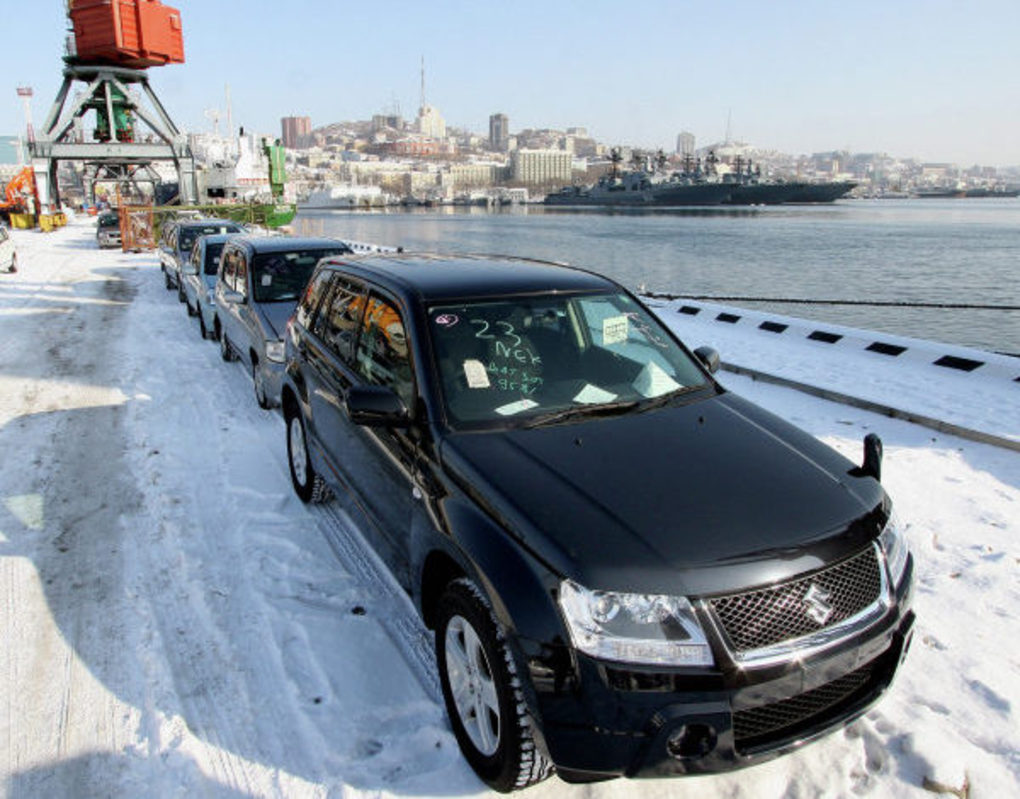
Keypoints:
pixel 817 605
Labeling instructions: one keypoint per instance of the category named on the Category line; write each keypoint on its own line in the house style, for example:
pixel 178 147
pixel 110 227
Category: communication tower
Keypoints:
pixel 111 47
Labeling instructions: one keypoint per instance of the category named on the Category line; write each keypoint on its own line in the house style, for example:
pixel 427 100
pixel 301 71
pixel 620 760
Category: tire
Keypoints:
pixel 191 311
pixel 202 329
pixel 166 280
pixel 308 485
pixel 14 264
pixel 181 296
pixel 484 699
pixel 260 386
pixel 226 351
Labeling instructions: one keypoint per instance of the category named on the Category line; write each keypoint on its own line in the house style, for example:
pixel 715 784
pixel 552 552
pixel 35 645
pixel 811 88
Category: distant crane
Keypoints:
pixel 112 47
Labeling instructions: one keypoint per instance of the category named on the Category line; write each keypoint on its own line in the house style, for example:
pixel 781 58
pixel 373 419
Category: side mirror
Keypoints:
pixel 872 456
pixel 376 406
pixel 189 268
pixel 709 357
pixel 232 297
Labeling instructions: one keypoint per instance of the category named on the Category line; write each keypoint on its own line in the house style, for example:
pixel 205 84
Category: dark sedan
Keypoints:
pixel 629 569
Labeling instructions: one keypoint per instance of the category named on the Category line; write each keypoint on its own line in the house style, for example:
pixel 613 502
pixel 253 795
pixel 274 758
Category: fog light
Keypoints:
pixel 691 741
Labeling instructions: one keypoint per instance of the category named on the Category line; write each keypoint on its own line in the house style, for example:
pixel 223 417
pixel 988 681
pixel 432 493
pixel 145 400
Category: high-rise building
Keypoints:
pixel 685 143
pixel 430 122
pixel 297 132
pixel 499 132
pixel 542 166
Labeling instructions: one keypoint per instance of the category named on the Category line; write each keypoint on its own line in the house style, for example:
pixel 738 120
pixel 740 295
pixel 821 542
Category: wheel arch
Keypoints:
pixel 519 586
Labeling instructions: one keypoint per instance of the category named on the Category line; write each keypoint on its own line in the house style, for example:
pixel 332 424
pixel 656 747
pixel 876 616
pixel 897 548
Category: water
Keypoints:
pixel 957 251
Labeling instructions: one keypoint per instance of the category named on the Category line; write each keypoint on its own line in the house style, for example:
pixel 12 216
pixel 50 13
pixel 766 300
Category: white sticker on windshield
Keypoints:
pixel 614 330
pixel 267 280
pixel 516 407
pixel 476 375
pixel 652 381
pixel 593 395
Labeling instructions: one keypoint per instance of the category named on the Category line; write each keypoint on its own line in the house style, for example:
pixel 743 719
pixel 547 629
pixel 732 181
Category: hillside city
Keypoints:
pixel 388 160
pixel 389 157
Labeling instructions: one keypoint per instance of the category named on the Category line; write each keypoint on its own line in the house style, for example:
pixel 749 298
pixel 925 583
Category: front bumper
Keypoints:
pixel 607 720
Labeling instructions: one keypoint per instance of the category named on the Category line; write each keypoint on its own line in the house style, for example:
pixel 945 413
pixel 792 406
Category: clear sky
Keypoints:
pixel 933 79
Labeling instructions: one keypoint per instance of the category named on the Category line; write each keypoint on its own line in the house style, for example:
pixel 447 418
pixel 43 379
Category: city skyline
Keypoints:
pixel 929 80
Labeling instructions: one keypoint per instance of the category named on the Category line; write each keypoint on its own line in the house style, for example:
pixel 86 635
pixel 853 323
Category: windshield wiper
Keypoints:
pixel 665 399
pixel 576 412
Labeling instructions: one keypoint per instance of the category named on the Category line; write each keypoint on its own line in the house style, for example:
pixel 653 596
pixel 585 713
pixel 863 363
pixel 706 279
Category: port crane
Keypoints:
pixel 111 46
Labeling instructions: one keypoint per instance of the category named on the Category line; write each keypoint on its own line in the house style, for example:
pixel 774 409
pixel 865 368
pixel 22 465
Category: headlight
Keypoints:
pixel 650 629
pixel 274 351
pixel 894 545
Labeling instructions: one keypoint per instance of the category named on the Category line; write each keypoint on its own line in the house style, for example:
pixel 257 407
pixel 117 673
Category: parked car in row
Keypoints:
pixel 198 277
pixel 8 255
pixel 108 229
pixel 629 569
pixel 177 241
pixel 258 286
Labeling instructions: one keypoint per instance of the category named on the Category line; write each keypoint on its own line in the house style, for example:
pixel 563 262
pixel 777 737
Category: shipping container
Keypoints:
pixel 127 33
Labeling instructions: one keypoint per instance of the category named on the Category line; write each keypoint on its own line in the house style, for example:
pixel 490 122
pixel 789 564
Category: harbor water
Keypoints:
pixel 959 252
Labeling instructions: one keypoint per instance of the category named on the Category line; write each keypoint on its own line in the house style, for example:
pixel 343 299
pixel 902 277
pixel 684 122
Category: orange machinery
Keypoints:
pixel 19 191
pixel 127 33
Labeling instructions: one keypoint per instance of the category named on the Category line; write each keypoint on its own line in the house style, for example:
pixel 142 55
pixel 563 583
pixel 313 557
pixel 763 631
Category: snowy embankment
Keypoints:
pixel 175 622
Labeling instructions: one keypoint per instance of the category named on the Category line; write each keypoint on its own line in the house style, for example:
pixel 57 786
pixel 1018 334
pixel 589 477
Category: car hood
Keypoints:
pixel 696 498
pixel 276 315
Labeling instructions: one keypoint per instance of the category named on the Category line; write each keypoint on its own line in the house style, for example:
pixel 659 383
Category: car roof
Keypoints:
pixel 260 244
pixel 217 238
pixel 189 223
pixel 462 276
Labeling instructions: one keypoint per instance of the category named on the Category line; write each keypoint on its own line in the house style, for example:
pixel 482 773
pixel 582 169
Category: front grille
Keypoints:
pixel 769 616
pixel 768 723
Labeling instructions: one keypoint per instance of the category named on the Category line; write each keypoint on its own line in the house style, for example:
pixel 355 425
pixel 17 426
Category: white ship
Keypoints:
pixel 347 196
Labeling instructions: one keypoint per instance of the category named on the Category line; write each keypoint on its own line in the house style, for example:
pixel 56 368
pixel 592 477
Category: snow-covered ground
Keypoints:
pixel 174 622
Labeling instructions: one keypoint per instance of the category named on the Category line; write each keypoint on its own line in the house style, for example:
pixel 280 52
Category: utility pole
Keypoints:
pixel 25 93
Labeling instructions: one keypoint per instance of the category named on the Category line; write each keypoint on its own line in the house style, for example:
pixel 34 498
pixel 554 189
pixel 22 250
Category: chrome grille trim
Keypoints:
pixel 801 645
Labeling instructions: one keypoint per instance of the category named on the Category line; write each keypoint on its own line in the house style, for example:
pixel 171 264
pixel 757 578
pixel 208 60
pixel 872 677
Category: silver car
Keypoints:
pixel 8 257
pixel 198 279
pixel 259 284
pixel 175 248
pixel 108 229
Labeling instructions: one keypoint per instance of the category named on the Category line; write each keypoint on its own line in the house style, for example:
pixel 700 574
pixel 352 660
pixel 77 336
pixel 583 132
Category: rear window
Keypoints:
pixel 188 235
pixel 282 276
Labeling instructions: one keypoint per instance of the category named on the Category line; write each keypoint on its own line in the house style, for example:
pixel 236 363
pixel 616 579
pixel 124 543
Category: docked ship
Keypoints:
pixel 748 188
pixel 640 188
pixel 346 196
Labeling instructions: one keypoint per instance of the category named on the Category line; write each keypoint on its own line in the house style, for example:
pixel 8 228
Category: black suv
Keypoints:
pixel 629 570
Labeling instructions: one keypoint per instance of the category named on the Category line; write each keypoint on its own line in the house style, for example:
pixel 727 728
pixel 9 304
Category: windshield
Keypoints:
pixel 282 276
pixel 189 234
pixel 213 250
pixel 109 220
pixel 541 360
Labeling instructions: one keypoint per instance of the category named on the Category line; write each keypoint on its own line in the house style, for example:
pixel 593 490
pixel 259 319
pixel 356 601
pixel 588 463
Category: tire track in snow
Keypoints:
pixel 398 616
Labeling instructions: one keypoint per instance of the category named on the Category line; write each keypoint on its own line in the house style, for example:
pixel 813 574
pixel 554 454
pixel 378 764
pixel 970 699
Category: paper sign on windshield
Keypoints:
pixel 267 280
pixel 654 382
pixel 614 330
pixel 516 407
pixel 474 372
pixel 593 395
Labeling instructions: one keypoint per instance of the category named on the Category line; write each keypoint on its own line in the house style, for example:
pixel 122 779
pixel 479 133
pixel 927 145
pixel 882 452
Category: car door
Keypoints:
pixel 238 311
pixel 225 287
pixel 168 241
pixel 364 342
